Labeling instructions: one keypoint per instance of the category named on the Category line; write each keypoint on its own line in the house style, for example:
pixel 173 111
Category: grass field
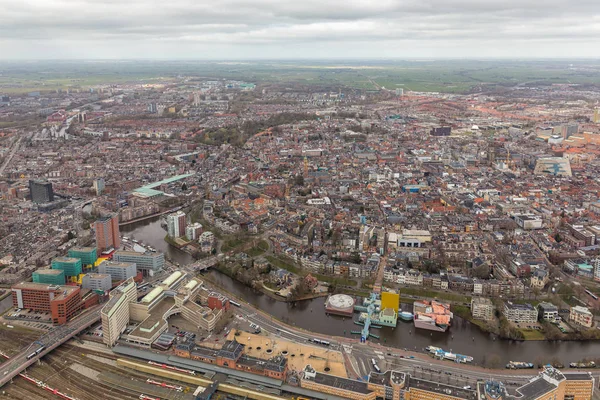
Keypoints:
pixel 532 334
pixel 434 75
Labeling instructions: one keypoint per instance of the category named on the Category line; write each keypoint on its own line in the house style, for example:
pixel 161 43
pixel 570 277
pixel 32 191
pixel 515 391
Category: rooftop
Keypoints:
pixel 535 389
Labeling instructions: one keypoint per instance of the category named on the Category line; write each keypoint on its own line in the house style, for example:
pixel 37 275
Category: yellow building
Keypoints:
pixel 390 300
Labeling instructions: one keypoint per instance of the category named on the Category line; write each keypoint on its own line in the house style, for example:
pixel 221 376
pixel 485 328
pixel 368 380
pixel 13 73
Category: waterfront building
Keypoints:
pixel 520 313
pixel 581 316
pixel 176 224
pixel 548 312
pixel 49 276
pixel 107 233
pixel 482 308
pixel 148 263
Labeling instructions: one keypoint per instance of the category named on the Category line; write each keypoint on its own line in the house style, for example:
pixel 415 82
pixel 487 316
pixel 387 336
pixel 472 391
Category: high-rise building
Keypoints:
pixel 596 116
pixel 152 108
pixel 193 231
pixel 41 191
pixel 568 130
pixel 176 224
pixel 107 232
pixel 99 186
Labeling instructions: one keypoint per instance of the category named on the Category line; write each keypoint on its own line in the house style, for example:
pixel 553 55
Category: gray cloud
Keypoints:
pixel 308 28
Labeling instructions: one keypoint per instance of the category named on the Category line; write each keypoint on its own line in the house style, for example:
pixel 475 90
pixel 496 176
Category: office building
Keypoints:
pixel 49 276
pixel 118 271
pixel 87 255
pixel 96 282
pixel 115 314
pixel 71 266
pixel 63 302
pixel 41 191
pixel 152 108
pixel 482 308
pixel 148 263
pixel 107 233
pixel 99 186
pixel 520 313
pixel 176 224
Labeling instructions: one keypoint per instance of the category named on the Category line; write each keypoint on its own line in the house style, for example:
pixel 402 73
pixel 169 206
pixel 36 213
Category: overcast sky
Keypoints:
pixel 271 29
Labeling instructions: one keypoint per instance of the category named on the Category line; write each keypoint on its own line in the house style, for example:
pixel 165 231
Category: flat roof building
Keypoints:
pixel 101 282
pixel 118 271
pixel 148 263
pixel 107 232
pixel 49 276
pixel 63 302
pixel 41 191
pixel 87 255
pixel 71 266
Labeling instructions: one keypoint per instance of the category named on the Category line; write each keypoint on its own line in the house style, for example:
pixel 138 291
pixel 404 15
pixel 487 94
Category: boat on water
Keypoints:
pixel 406 316
pixel 590 364
pixel 448 355
pixel 519 365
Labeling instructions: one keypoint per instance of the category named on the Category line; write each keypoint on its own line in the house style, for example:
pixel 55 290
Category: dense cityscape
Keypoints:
pixel 238 234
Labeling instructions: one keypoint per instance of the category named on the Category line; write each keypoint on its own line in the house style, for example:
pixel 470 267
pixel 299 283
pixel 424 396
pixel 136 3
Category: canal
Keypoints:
pixel 463 337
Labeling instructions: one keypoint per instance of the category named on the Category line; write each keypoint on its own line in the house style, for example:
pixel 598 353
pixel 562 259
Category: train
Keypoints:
pixel 234 303
pixel 165 366
pixel 35 353
pixel 592 295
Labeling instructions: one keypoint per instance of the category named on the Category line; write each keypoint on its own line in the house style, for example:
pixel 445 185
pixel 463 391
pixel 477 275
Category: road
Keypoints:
pixel 358 355
pixel 49 341
pixel 12 153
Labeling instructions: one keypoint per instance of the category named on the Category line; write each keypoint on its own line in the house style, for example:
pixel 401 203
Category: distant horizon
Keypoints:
pixel 338 59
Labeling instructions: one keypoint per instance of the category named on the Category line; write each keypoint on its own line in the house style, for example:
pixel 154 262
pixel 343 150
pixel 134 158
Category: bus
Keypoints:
pixel 375 366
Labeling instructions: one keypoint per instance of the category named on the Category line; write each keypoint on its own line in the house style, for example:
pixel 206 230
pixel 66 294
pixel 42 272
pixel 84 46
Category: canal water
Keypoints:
pixel 462 338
